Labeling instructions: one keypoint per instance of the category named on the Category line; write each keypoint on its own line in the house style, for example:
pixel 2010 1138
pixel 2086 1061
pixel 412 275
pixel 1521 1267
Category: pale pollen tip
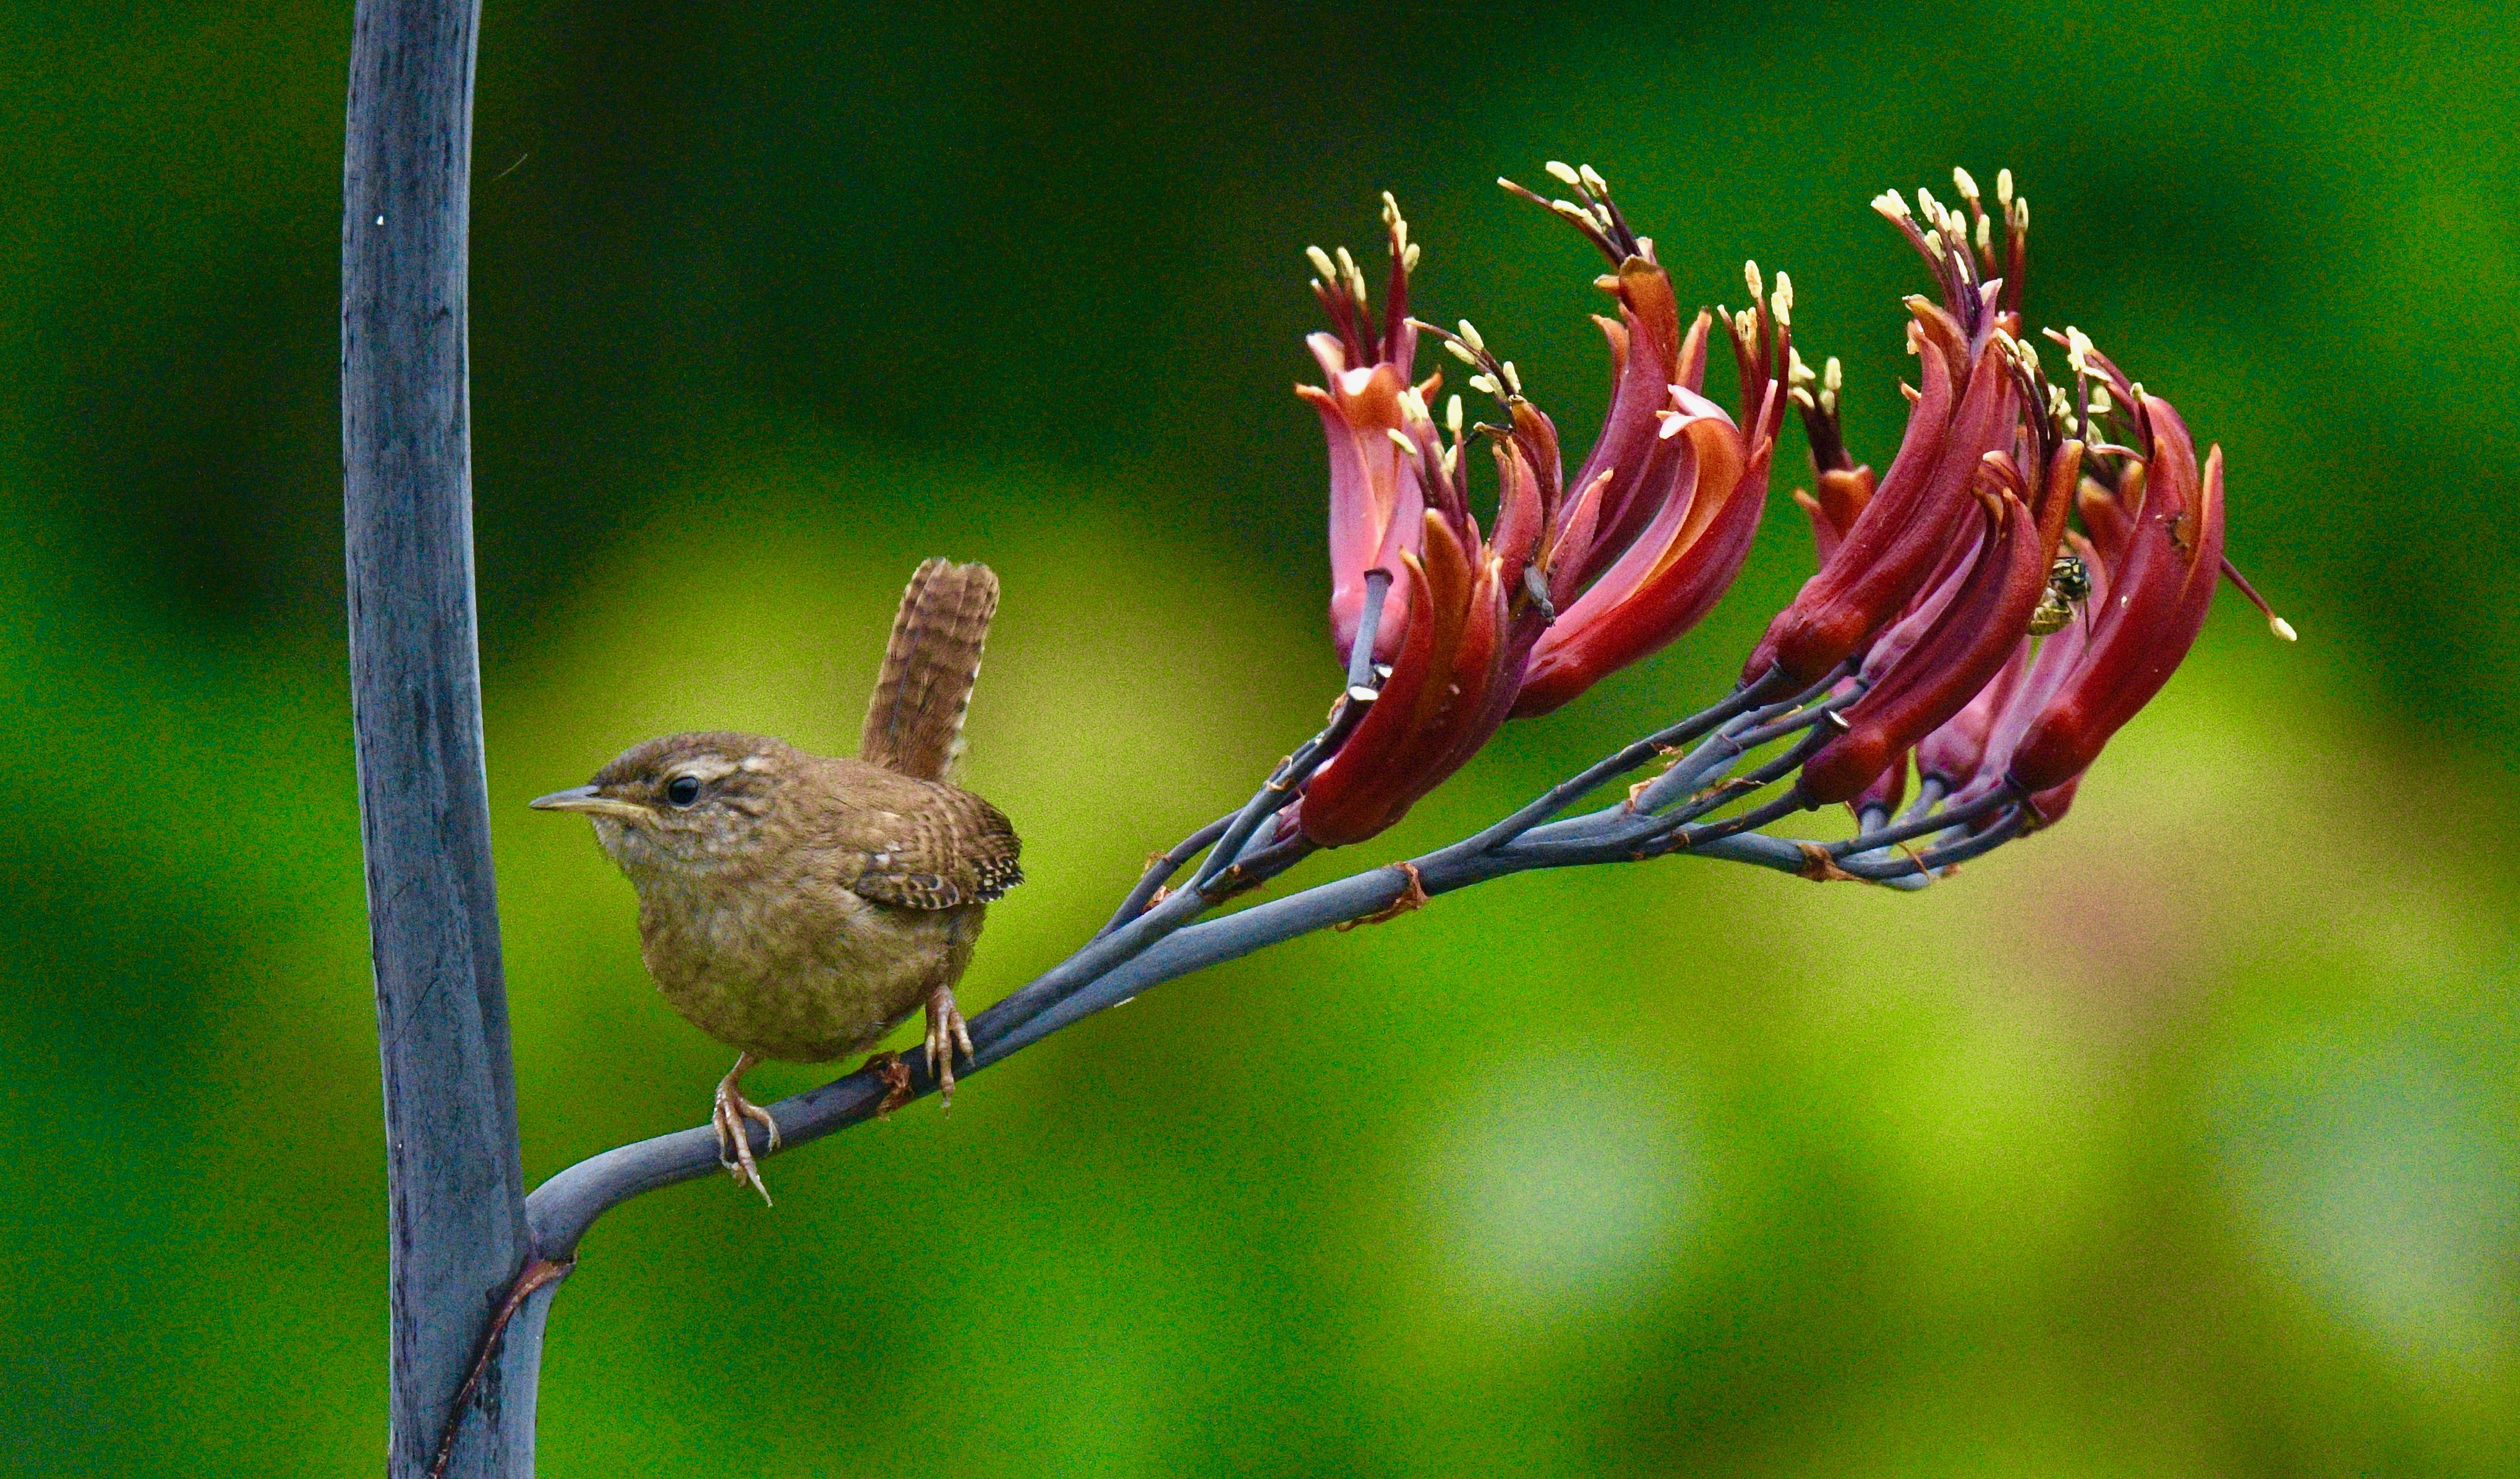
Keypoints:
pixel 1471 337
pixel 2004 187
pixel 1561 169
pixel 1409 259
pixel 1511 377
pixel 1458 351
pixel 2283 629
pixel 1802 397
pixel 1832 375
pixel 1593 177
pixel 1402 440
pixel 1758 284
pixel 1321 261
pixel 1968 186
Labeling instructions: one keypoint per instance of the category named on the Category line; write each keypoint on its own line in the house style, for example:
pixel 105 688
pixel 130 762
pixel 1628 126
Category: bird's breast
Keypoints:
pixel 803 970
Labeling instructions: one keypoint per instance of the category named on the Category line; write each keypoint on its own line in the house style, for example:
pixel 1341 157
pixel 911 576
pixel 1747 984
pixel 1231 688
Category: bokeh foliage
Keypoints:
pixel 2184 1139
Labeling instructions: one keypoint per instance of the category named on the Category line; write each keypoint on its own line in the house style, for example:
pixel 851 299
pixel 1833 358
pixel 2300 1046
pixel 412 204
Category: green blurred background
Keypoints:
pixel 2182 1141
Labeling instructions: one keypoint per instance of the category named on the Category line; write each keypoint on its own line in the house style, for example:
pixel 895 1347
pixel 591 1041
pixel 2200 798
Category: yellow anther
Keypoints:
pixel 1458 351
pixel 1561 170
pixel 1453 416
pixel 1593 177
pixel 1402 440
pixel 2004 187
pixel 1985 233
pixel 1321 261
pixel 1832 375
pixel 1471 337
pixel 1409 259
pixel 1758 284
pixel 1511 377
pixel 1968 186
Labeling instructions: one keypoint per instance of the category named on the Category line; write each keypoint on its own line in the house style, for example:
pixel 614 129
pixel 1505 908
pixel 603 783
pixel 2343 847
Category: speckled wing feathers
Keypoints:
pixel 914 723
pixel 958 849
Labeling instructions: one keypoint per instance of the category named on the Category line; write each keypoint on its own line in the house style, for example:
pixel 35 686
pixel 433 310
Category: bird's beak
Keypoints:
pixel 586 798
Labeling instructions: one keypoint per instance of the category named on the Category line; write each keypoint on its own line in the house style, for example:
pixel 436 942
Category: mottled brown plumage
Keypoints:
pixel 913 723
pixel 799 908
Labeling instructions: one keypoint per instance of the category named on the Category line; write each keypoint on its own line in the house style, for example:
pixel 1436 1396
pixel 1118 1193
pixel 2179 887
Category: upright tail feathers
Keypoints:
pixel 914 723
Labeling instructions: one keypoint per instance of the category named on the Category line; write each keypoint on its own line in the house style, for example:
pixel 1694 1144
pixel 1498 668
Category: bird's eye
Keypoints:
pixel 683 791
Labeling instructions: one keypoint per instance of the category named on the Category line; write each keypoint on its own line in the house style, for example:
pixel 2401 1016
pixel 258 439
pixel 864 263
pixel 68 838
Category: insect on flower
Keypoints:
pixel 2069 585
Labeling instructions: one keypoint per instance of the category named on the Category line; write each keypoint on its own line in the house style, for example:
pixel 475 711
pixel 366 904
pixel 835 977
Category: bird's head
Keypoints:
pixel 683 805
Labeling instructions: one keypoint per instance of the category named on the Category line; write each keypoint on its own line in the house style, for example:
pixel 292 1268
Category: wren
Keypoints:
pixel 799 908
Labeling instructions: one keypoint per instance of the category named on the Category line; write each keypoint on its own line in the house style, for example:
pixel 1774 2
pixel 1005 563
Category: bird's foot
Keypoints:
pixel 728 1117
pixel 946 1032
pixel 895 1074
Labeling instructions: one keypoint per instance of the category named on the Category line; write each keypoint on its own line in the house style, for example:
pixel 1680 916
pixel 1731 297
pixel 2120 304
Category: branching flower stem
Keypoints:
pixel 1158 936
pixel 1159 933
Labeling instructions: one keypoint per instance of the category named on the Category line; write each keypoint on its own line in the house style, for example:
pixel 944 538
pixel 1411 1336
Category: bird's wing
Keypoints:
pixel 913 723
pixel 958 850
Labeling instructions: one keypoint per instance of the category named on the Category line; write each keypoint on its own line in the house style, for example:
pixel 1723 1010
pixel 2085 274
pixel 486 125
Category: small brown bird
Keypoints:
pixel 798 908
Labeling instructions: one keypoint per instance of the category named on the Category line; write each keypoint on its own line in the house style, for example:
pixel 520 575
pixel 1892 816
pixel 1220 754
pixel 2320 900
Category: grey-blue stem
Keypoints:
pixel 1169 940
pixel 455 1185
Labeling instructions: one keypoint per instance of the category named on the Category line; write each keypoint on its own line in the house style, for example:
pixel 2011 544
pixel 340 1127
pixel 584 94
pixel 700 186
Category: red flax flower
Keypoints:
pixel 1575 580
pixel 1931 581
pixel 1994 713
pixel 2152 556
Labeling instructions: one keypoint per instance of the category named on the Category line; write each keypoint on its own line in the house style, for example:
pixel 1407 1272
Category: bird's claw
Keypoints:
pixel 947 1031
pixel 727 1115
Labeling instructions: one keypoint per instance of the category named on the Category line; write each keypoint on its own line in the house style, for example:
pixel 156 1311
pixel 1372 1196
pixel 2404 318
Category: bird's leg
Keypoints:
pixel 733 1138
pixel 946 1032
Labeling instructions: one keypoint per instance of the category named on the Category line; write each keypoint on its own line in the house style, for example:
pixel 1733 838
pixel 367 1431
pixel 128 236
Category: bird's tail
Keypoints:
pixel 914 723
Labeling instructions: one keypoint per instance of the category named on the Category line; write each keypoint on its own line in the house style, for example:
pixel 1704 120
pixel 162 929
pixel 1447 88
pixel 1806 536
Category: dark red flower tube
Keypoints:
pixel 1955 657
pixel 1900 537
pixel 2159 595
pixel 1577 580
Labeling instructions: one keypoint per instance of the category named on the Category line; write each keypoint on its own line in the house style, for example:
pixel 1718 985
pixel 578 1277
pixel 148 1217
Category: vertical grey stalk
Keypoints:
pixel 453 1176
